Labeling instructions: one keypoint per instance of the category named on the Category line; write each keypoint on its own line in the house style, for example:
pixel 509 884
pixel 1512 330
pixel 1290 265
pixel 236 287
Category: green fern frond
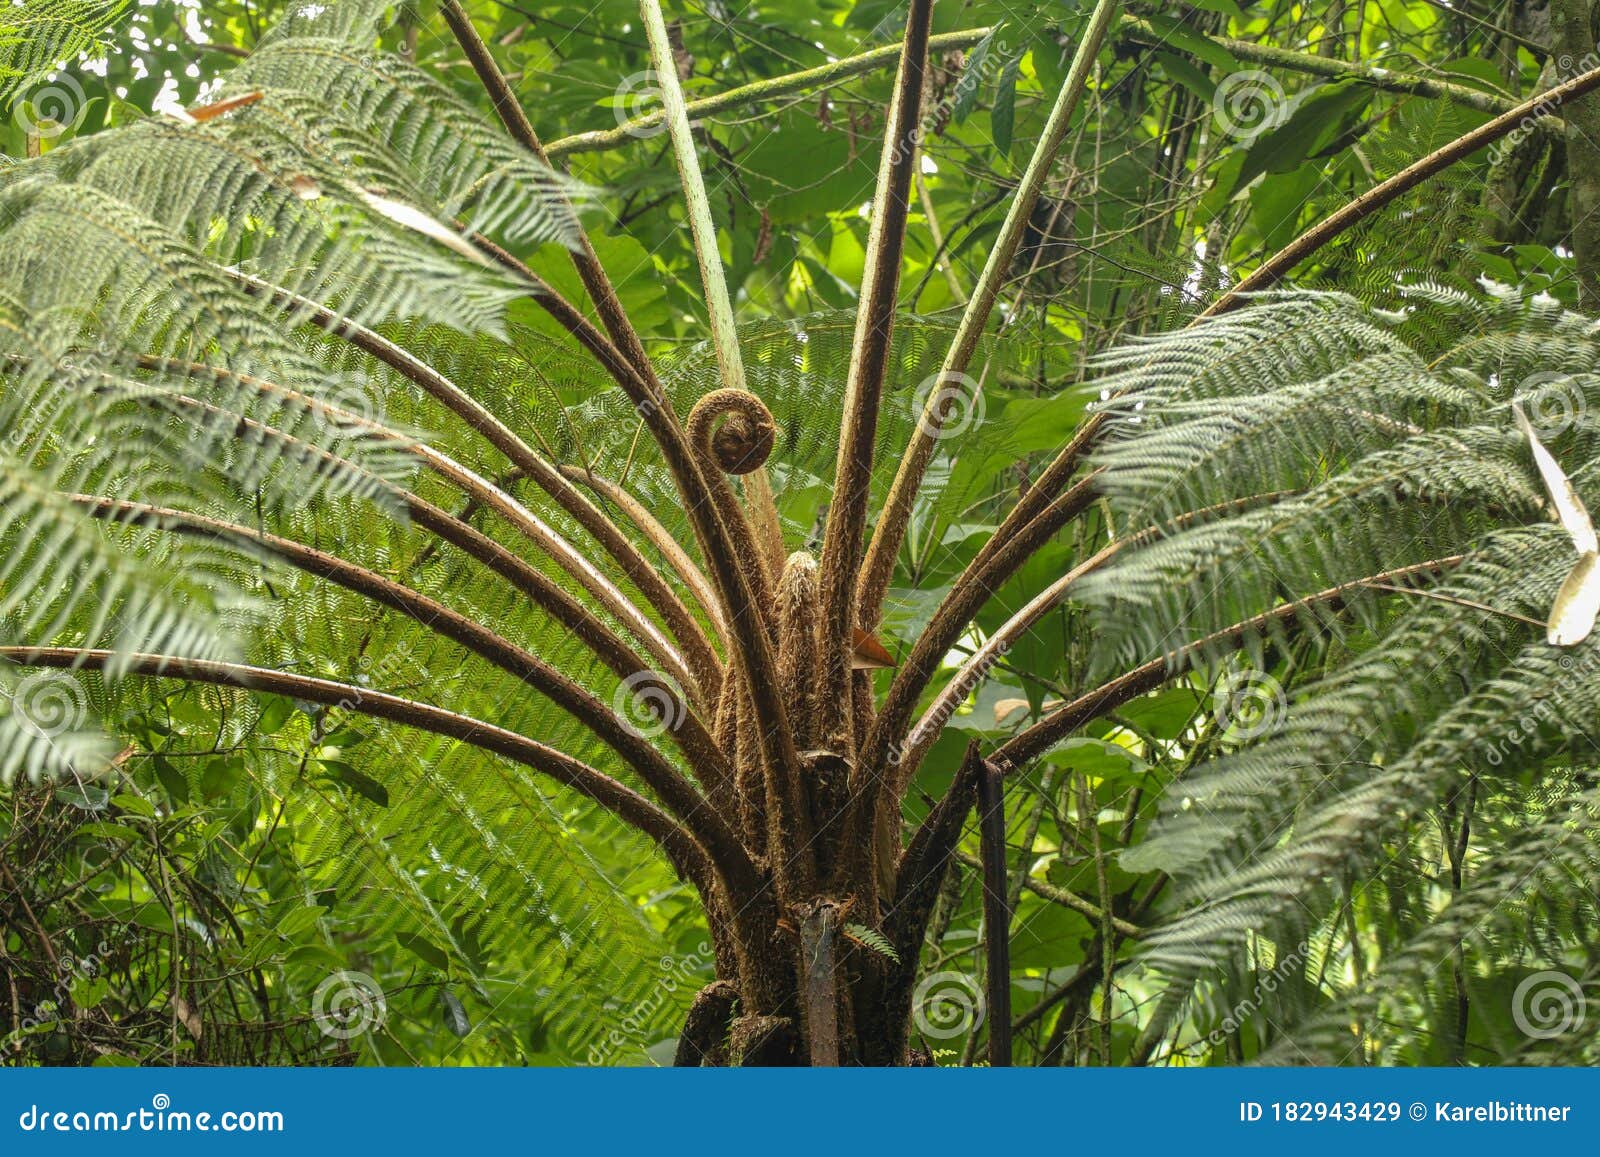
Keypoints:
pixel 1372 448
pixel 42 34
pixel 872 939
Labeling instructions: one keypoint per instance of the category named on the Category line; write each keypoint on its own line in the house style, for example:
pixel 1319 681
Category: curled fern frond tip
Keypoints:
pixel 733 429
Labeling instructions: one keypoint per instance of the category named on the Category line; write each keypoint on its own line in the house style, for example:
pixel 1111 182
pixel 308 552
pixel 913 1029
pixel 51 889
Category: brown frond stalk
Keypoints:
pixel 534 584
pixel 798 659
pixel 715 537
pixel 686 629
pixel 643 386
pixel 732 432
pixel 658 536
pixel 680 796
pixel 949 620
pixel 1066 719
pixel 739 609
pixel 896 516
pixel 942 827
pixel 970 675
pixel 628 805
pixel 869 360
pixel 515 119
pixel 1375 198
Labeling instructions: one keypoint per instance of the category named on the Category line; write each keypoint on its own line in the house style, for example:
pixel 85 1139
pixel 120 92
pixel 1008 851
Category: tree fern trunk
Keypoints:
pixel 1575 39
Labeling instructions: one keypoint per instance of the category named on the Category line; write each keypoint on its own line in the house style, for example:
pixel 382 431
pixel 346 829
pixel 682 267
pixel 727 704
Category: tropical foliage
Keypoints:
pixel 500 567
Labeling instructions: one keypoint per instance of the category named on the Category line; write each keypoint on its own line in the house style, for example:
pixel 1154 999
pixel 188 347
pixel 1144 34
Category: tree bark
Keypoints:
pixel 1575 46
pixel 704 1041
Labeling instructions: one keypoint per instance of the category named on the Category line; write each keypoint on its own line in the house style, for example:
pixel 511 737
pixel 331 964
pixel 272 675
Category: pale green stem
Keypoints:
pixel 724 334
pixel 1131 30
pixel 724 330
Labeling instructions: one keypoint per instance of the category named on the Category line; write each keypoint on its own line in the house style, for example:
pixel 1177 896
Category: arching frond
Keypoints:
pixel 1373 447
